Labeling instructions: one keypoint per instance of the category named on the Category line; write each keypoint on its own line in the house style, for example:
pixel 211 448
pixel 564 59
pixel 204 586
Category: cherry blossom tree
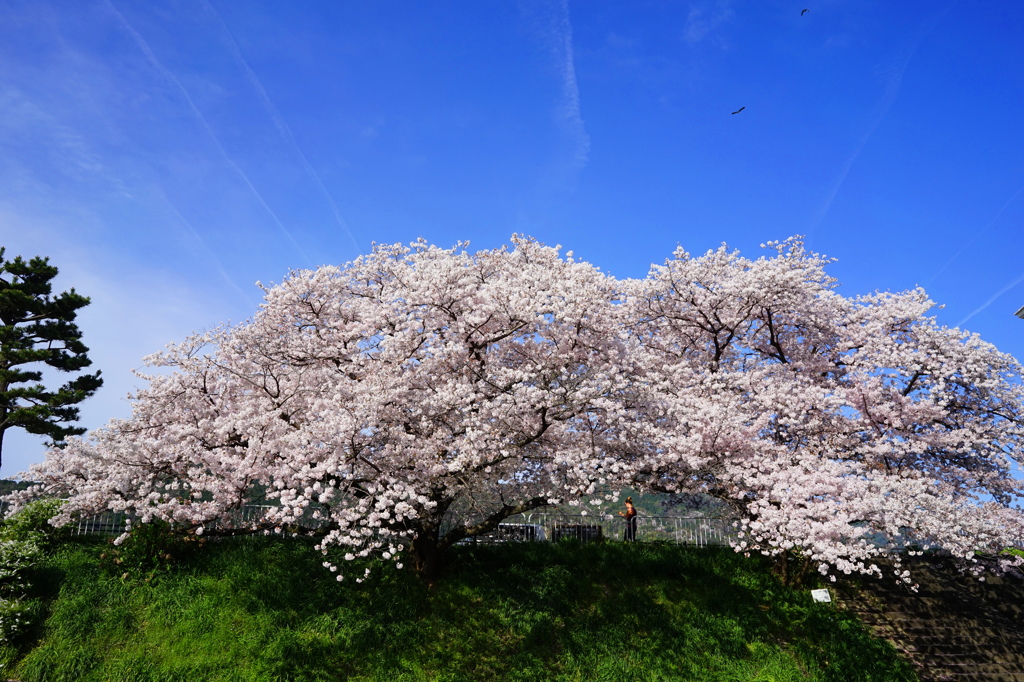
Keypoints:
pixel 841 429
pixel 410 399
pixel 418 396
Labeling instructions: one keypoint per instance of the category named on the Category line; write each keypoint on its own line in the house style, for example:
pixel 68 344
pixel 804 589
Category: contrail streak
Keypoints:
pixel 571 90
pixel 279 122
pixel 976 235
pixel 992 300
pixel 209 252
pixel 552 27
pixel 144 46
pixel 892 90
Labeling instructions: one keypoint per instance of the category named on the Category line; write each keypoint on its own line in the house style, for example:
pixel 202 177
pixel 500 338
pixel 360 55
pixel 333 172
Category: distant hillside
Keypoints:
pixel 7 487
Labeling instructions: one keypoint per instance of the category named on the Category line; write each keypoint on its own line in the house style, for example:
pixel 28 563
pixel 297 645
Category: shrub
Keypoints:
pixel 151 548
pixel 32 523
pixel 14 617
pixel 24 536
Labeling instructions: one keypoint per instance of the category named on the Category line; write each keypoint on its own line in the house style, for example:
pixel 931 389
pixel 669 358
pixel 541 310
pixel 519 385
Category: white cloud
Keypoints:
pixel 704 19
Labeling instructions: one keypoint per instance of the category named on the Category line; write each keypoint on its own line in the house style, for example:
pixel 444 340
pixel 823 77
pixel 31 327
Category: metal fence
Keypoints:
pixel 107 523
pixel 700 531
pixel 248 516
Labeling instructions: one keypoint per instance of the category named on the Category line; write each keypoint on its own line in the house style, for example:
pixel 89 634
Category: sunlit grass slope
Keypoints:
pixel 267 610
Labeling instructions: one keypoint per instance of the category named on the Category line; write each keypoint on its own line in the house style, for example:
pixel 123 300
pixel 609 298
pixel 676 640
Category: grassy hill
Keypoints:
pixel 265 609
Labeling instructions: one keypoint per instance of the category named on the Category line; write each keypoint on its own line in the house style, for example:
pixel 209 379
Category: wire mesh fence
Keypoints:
pixel 108 523
pixel 699 531
pixel 247 518
pixel 532 527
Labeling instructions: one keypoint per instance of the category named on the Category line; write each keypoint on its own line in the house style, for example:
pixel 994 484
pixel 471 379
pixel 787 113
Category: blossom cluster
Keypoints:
pixel 841 428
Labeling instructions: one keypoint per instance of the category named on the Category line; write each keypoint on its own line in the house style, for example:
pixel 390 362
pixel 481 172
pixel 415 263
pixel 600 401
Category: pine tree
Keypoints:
pixel 38 328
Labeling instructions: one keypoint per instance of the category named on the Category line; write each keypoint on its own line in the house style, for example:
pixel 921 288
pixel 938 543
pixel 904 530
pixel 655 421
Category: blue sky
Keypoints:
pixel 167 155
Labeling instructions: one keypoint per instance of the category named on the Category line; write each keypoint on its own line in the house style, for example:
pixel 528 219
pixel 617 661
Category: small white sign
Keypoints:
pixel 821 595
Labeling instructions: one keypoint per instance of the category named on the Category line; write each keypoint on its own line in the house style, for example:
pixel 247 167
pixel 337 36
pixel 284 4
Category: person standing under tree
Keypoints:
pixel 630 516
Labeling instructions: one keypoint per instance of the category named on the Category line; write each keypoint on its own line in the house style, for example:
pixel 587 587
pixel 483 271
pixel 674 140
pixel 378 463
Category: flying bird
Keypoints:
pixel 739 110
pixel 803 12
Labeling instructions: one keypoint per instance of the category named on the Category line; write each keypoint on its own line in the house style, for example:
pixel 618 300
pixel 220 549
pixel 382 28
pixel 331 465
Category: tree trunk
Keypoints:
pixel 427 555
pixel 792 568
pixel 429 548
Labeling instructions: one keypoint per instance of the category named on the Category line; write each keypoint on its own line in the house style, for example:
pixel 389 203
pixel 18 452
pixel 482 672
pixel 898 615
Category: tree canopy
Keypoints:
pixel 841 427
pixel 38 328
pixel 418 396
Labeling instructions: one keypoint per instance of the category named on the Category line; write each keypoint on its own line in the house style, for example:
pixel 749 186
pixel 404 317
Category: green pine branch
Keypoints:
pixel 38 328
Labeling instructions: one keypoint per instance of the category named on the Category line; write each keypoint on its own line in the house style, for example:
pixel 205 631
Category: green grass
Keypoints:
pixel 267 610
